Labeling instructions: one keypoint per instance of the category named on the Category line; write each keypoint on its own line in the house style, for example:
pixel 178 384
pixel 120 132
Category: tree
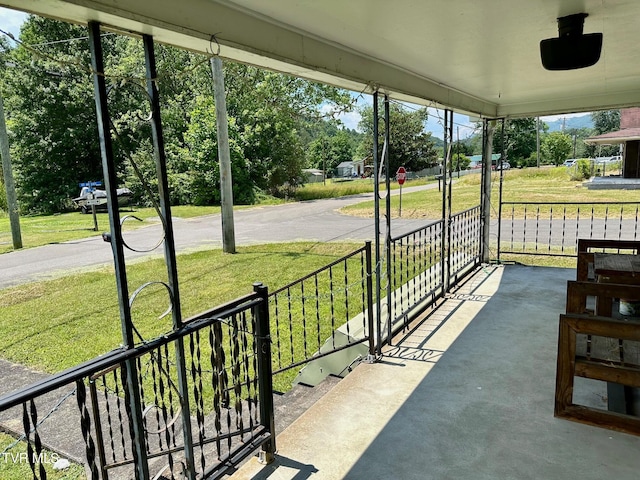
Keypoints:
pixel 52 115
pixel 520 139
pixel 556 147
pixel 56 139
pixel 459 161
pixel 328 152
pixel 409 144
pixel 604 121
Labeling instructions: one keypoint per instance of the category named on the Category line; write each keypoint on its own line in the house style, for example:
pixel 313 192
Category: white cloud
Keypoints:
pixel 11 20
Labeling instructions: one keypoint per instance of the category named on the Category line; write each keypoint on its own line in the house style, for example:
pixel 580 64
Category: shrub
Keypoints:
pixel 581 170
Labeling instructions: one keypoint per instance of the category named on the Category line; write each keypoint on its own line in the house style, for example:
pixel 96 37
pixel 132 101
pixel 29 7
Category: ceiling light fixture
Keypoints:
pixel 572 49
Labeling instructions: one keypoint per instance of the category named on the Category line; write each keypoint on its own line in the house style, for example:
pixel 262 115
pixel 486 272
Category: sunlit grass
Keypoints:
pixel 56 324
pixel 340 188
pixel 527 185
pixel 14 463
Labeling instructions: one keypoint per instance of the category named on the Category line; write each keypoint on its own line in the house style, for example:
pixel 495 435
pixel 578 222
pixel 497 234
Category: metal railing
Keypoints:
pixel 326 311
pixel 553 228
pixel 464 243
pixel 416 266
pixel 228 372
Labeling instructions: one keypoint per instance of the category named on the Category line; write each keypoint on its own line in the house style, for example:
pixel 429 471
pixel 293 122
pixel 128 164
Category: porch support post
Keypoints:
pixel 376 223
pixel 447 192
pixel 117 246
pixel 169 246
pixel 487 133
pixel 387 236
pixel 503 158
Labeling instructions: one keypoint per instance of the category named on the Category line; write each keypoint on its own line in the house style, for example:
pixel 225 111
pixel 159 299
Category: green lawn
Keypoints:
pixel 37 230
pixel 14 464
pixel 340 188
pixel 530 185
pixel 56 324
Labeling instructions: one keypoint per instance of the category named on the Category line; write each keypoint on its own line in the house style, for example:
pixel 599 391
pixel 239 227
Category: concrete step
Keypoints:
pixel 290 405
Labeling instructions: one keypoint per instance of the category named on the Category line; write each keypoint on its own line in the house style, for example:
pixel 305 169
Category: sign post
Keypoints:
pixel 91 200
pixel 401 176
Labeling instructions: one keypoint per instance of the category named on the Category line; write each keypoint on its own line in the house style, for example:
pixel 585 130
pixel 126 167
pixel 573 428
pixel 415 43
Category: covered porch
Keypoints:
pixel 467 392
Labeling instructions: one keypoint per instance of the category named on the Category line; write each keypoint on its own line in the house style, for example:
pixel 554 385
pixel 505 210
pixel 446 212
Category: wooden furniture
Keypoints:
pixel 587 248
pixel 618 269
pixel 603 346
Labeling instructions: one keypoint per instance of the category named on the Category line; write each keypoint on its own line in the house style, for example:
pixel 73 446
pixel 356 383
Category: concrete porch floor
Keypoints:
pixel 467 394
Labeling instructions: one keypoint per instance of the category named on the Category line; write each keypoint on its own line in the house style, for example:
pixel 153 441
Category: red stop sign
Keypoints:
pixel 401 175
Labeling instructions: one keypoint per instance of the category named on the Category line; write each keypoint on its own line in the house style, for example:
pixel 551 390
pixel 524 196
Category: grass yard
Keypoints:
pixel 44 229
pixel 14 464
pixel 341 188
pixel 530 185
pixel 56 324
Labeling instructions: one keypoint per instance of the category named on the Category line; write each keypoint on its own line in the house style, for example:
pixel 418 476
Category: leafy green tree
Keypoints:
pixel 519 137
pixel 328 152
pixel 556 147
pixel 51 115
pixel 202 178
pixel 272 119
pixel 409 144
pixel 604 121
pixel 459 161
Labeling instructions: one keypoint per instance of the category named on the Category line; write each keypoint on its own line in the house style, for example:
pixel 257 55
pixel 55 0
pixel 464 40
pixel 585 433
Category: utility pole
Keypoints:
pixel 9 186
pixel 226 188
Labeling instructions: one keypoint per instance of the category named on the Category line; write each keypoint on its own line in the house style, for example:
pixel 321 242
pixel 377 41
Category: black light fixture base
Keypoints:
pixel 572 49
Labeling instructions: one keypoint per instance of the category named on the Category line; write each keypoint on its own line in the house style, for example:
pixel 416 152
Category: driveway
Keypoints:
pixel 314 220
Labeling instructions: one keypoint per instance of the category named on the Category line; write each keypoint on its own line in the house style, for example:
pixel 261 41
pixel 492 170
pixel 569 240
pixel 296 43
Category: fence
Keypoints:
pixel 331 307
pixel 227 416
pixel 415 270
pixel 464 243
pixel 553 228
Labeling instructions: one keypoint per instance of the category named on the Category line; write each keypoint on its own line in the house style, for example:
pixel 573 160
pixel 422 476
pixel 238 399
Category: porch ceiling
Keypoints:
pixel 475 57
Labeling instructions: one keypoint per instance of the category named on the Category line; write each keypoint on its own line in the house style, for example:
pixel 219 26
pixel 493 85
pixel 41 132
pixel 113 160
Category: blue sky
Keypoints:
pixel 10 20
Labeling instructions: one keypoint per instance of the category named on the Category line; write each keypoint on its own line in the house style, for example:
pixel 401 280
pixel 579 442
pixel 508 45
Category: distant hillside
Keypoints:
pixel 583 121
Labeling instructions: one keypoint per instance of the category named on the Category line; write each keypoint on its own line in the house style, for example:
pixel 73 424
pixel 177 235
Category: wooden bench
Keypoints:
pixel 599 347
pixel 588 246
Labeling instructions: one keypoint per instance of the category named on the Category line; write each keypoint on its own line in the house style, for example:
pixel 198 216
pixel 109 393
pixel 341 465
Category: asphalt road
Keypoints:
pixel 315 220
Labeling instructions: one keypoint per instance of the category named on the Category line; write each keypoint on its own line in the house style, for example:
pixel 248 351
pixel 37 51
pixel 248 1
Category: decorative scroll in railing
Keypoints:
pixel 553 228
pixel 464 243
pixel 416 271
pixel 326 311
pixel 230 387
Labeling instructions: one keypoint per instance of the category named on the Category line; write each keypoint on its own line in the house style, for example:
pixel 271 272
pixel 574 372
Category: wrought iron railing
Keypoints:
pixel 416 266
pixel 228 369
pixel 464 243
pixel 553 228
pixel 323 312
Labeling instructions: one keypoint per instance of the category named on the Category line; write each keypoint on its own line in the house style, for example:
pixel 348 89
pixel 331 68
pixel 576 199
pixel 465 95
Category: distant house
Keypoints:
pixel 354 168
pixel 476 160
pixel 345 169
pixel 313 175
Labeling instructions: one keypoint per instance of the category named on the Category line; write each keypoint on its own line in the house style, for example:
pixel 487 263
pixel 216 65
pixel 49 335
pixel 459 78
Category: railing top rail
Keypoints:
pixel 477 207
pixel 570 203
pixel 326 267
pixel 225 309
pixel 122 354
pixel 428 225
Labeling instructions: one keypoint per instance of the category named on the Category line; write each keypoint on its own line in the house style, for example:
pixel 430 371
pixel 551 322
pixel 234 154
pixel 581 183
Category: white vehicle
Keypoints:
pixel 98 198
pixel 570 162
